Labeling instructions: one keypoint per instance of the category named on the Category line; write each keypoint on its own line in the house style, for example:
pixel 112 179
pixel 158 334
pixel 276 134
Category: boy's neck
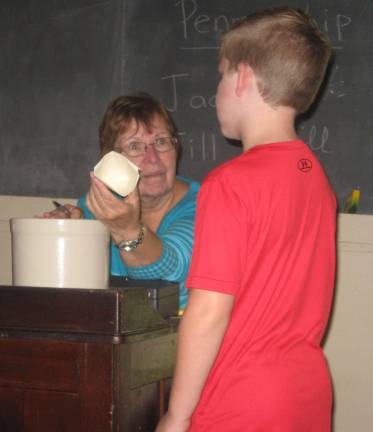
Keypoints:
pixel 270 126
pixel 268 137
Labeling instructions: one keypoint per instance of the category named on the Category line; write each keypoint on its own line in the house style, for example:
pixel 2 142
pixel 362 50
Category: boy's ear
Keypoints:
pixel 244 77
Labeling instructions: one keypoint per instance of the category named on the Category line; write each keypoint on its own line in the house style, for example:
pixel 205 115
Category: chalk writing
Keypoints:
pixel 196 26
pixel 200 23
pixel 342 21
pixel 199 101
pixel 336 84
pixel 195 23
pixel 333 25
pixel 318 139
pixel 175 101
pixel 195 101
pixel 202 148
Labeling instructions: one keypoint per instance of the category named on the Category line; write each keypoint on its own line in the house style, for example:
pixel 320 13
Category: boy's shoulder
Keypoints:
pixel 266 164
pixel 225 170
pixel 258 158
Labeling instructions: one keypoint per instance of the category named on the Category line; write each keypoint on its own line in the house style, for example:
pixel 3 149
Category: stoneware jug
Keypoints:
pixel 61 253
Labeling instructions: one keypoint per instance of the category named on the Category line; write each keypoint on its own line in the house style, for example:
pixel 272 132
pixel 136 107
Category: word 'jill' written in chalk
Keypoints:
pixel 202 149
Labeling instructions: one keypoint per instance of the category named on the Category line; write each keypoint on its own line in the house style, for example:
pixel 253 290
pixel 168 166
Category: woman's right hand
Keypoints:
pixel 58 213
pixel 121 216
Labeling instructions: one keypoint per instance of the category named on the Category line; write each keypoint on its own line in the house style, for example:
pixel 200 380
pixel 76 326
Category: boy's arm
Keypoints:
pixel 201 332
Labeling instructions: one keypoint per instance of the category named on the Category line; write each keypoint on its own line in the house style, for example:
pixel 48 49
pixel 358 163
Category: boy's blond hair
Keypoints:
pixel 287 52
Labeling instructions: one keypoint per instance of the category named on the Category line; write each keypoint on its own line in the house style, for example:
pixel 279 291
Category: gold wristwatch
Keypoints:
pixel 130 245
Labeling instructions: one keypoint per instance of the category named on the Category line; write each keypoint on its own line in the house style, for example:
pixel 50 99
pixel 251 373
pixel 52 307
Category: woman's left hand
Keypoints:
pixel 69 212
pixel 119 215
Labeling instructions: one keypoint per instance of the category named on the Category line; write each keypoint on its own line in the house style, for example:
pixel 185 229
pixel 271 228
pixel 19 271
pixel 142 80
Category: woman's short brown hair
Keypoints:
pixel 138 107
pixel 287 52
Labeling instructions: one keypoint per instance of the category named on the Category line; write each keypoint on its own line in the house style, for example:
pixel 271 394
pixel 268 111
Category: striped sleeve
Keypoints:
pixel 177 242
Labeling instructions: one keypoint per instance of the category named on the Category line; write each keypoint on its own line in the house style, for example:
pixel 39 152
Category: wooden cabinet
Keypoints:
pixel 82 360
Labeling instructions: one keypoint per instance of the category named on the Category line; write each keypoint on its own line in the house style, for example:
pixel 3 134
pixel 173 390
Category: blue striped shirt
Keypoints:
pixel 176 232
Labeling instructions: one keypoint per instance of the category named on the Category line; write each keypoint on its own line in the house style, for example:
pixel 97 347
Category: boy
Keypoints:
pixel 262 271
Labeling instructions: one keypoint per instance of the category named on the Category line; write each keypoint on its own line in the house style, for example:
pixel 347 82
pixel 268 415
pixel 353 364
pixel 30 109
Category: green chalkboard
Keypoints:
pixel 171 51
pixel 61 62
pixel 59 67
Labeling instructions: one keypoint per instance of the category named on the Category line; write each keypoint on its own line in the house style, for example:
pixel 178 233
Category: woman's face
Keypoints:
pixel 158 170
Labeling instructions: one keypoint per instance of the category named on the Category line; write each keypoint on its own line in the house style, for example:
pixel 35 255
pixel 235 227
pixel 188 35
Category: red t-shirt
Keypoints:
pixel 265 234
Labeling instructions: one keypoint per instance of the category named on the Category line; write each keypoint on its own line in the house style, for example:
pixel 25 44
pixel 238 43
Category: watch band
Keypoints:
pixel 130 245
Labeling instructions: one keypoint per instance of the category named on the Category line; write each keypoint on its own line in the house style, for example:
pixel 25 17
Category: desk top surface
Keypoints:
pixel 116 311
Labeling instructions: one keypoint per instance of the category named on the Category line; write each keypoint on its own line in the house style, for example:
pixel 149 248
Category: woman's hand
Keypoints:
pixel 169 424
pixel 70 212
pixel 120 216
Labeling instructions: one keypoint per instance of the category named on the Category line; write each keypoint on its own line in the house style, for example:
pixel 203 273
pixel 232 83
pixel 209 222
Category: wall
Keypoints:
pixel 348 343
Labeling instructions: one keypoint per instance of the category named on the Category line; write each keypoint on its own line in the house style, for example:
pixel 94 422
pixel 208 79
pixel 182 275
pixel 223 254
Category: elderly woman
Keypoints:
pixel 151 228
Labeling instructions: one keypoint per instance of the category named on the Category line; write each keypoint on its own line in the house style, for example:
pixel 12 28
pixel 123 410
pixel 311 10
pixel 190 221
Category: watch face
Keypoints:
pixel 130 245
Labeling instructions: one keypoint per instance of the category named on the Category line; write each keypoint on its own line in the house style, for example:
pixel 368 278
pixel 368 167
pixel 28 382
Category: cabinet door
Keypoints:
pixel 50 411
pixel 11 410
pixel 56 386
pixel 40 364
pixel 36 411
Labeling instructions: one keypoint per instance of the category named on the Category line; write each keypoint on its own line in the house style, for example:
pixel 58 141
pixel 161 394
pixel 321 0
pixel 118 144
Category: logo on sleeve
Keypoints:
pixel 304 165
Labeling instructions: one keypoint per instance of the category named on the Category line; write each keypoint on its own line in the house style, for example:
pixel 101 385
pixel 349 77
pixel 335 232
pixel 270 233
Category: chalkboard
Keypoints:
pixel 59 66
pixel 63 61
pixel 171 51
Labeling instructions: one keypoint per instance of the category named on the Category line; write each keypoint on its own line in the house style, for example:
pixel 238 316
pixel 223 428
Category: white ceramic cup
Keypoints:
pixel 60 253
pixel 118 173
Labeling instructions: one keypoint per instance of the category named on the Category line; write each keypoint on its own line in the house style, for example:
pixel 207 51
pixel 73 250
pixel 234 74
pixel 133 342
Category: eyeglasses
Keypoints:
pixel 161 144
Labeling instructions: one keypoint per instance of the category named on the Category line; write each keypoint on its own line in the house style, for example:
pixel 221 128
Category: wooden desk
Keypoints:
pixel 81 360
